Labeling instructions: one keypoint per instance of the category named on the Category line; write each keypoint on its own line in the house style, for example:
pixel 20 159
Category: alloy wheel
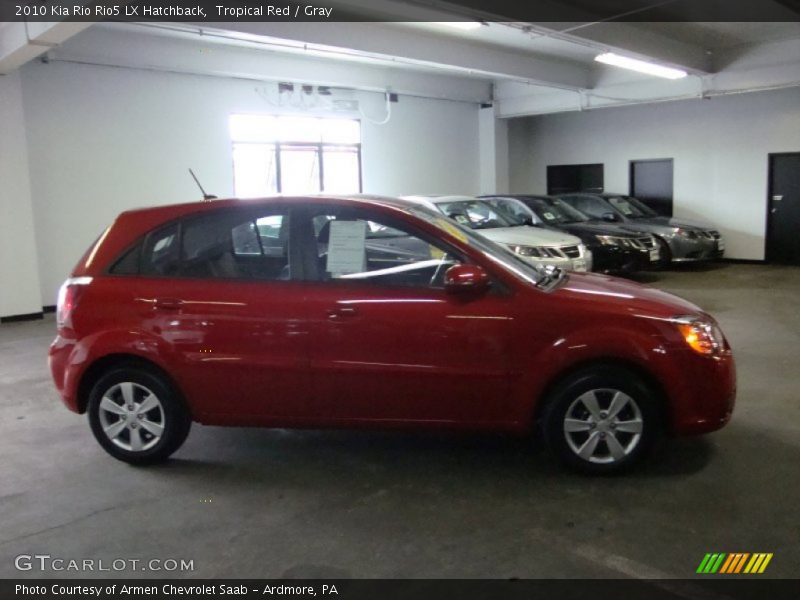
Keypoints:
pixel 603 425
pixel 132 416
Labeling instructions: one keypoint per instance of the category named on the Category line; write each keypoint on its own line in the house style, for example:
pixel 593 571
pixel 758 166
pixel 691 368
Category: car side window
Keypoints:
pixel 161 252
pixel 357 247
pixel 237 246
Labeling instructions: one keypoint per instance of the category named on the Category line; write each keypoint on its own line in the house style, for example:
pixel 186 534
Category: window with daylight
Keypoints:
pixel 295 155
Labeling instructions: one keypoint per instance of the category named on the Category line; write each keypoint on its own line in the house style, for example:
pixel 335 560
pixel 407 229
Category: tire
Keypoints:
pixel 124 429
pixel 601 420
pixel 664 253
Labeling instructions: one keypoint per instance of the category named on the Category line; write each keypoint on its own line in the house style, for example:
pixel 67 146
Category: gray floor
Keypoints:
pixel 258 503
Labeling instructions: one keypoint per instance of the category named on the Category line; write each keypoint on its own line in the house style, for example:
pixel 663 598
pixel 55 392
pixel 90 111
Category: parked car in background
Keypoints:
pixel 614 249
pixel 516 231
pixel 172 317
pixel 681 240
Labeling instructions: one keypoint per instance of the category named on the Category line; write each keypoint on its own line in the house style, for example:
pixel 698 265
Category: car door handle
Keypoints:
pixel 342 312
pixel 167 303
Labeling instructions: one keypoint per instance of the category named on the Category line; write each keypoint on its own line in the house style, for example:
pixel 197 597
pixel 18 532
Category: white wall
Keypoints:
pixel 19 280
pixel 104 139
pixel 719 147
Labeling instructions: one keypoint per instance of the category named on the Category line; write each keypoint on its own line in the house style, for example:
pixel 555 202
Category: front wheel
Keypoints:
pixel 136 416
pixel 601 420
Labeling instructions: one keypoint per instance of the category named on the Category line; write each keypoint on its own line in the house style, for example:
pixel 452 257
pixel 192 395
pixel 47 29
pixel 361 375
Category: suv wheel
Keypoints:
pixel 601 420
pixel 136 416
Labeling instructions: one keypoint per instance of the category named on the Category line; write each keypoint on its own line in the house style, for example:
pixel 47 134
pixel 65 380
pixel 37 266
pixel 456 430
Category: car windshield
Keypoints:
pixel 514 211
pixel 475 214
pixel 496 252
pixel 631 207
pixel 556 212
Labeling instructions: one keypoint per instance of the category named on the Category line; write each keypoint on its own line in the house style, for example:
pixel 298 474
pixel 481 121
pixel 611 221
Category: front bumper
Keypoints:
pixel 704 399
pixel 617 259
pixel 693 250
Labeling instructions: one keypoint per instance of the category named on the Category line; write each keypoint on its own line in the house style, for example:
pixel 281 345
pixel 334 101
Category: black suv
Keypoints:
pixel 615 249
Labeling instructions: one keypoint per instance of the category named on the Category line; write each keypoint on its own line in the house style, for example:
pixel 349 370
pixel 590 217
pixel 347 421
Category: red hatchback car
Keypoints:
pixel 370 312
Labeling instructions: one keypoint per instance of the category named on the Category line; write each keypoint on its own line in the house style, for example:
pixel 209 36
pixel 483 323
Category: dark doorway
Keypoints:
pixel 783 209
pixel 651 182
pixel 566 179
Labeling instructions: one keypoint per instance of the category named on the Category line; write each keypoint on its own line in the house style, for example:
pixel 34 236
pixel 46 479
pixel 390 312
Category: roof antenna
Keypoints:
pixel 205 196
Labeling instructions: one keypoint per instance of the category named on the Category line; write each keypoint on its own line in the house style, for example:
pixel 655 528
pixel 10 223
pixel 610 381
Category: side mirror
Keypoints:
pixel 610 217
pixel 465 278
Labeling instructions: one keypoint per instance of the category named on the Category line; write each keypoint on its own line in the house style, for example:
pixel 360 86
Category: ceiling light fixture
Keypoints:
pixel 462 25
pixel 641 66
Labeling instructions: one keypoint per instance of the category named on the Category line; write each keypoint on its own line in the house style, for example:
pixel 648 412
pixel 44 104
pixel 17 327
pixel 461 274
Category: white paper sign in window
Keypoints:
pixel 346 247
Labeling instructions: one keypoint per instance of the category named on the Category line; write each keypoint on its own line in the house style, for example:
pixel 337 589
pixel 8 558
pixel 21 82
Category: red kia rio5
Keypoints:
pixel 370 312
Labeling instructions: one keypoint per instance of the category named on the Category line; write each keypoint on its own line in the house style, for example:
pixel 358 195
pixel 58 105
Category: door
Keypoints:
pixel 220 292
pixel 651 182
pixel 783 218
pixel 388 343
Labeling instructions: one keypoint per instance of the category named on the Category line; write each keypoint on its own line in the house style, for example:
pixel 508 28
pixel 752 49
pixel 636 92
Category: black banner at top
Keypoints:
pixel 564 11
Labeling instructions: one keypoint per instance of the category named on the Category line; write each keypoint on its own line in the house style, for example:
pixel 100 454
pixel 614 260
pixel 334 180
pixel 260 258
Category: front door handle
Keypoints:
pixel 342 312
pixel 167 303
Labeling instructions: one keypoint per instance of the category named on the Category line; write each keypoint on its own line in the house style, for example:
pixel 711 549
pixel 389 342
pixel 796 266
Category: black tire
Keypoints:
pixel 602 382
pixel 664 253
pixel 171 415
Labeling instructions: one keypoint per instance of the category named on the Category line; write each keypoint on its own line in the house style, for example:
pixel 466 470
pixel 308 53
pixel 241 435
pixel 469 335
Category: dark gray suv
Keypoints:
pixel 680 240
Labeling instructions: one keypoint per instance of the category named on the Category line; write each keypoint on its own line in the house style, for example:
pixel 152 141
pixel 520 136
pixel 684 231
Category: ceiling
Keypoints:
pixel 524 68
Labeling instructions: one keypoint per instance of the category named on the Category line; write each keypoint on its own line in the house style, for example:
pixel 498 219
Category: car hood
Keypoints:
pixel 601 228
pixel 627 296
pixel 667 223
pixel 529 236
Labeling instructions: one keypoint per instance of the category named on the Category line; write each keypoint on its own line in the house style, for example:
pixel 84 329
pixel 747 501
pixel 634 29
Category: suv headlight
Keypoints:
pixel 700 334
pixel 527 251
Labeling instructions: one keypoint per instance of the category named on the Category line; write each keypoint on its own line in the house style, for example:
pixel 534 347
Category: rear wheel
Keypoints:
pixel 136 416
pixel 601 420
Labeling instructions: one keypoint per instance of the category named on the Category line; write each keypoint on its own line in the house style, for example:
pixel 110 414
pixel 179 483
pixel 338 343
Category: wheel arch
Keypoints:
pixel 594 363
pixel 110 361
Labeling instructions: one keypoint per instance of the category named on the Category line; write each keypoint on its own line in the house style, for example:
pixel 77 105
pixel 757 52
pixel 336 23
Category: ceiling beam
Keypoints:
pixel 130 46
pixel 405 46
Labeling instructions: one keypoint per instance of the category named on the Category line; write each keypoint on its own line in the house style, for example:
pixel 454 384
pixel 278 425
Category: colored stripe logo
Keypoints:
pixel 734 563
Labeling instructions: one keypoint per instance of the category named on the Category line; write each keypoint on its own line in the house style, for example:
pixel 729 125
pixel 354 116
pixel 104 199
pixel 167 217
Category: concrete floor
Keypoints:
pixel 260 503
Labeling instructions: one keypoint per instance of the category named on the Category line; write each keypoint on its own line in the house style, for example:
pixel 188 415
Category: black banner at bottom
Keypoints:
pixel 716 588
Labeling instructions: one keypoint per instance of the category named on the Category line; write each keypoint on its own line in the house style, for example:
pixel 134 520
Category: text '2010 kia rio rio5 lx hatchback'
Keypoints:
pixel 370 312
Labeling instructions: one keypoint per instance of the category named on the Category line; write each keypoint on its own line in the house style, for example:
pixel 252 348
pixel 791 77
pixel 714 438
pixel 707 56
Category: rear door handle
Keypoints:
pixel 342 312
pixel 167 303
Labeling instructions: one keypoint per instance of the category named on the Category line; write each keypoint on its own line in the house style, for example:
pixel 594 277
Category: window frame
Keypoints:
pixel 320 148
pixel 309 244
pixel 294 253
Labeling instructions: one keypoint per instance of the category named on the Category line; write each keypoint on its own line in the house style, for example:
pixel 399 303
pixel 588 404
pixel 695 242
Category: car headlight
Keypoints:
pixel 691 235
pixel 527 251
pixel 701 335
pixel 609 240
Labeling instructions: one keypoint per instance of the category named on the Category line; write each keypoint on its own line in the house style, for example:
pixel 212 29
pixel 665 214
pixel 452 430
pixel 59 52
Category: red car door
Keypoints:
pixel 388 343
pixel 229 312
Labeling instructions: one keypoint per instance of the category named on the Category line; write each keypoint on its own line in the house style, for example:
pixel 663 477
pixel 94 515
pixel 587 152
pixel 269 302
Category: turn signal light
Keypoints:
pixel 702 336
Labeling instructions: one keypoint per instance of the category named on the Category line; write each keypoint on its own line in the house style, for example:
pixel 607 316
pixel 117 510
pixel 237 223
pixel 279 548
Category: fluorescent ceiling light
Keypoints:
pixel 463 25
pixel 641 66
